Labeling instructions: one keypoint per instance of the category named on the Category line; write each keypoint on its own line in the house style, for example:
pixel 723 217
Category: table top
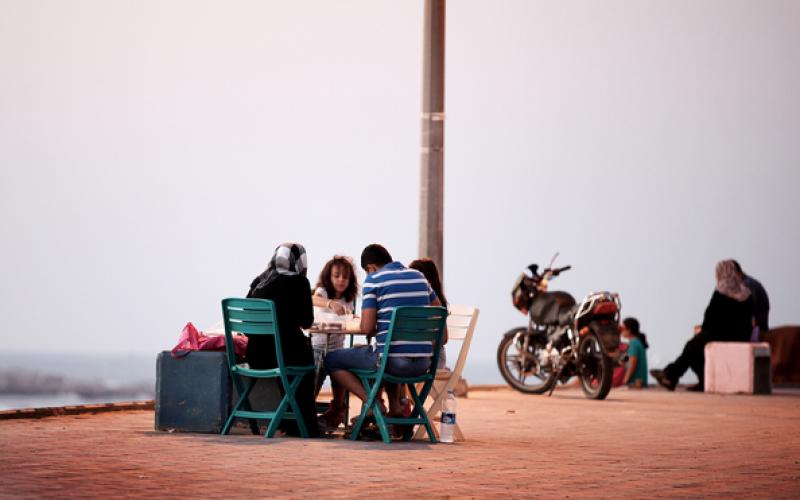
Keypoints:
pixel 333 331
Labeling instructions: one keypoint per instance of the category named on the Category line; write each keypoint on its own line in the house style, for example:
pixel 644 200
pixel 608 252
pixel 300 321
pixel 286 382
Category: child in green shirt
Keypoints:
pixel 636 373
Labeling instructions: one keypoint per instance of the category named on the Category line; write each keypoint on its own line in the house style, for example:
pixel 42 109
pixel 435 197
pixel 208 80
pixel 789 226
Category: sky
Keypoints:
pixel 154 153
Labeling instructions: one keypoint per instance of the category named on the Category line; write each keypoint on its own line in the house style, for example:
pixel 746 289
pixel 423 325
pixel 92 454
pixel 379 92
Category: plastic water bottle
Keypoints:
pixel 448 418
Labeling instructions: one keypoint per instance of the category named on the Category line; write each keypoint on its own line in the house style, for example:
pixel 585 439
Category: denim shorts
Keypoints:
pixel 367 358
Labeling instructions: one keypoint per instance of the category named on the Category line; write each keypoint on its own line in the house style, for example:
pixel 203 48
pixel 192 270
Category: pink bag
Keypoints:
pixel 194 340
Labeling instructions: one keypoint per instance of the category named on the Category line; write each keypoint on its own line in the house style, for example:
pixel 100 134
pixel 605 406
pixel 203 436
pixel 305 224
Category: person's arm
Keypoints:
pixel 438 303
pixel 709 317
pixel 324 302
pixel 632 362
pixel 369 318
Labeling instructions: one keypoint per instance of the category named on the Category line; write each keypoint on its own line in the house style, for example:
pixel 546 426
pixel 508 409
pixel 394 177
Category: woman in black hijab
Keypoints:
pixel 728 318
pixel 284 282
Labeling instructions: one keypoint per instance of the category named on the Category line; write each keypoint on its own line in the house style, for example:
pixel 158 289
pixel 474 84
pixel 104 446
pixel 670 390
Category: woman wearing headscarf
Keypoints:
pixel 284 282
pixel 728 318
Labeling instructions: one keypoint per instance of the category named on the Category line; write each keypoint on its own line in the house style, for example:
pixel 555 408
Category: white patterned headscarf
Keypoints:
pixel 730 282
pixel 289 259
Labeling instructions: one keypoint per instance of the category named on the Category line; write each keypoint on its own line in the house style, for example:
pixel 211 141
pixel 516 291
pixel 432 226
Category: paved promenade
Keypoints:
pixel 636 443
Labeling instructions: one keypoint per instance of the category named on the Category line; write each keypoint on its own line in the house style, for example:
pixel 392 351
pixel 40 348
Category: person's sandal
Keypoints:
pixel 369 419
pixel 334 416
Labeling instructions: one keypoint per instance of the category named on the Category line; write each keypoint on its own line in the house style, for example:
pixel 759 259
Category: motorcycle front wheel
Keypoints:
pixel 595 369
pixel 522 370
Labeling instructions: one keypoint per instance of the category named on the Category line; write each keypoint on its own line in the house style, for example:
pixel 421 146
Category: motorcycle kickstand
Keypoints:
pixel 556 382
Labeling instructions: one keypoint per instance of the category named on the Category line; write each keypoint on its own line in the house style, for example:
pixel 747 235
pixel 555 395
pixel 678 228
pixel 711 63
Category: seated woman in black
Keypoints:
pixel 285 283
pixel 728 318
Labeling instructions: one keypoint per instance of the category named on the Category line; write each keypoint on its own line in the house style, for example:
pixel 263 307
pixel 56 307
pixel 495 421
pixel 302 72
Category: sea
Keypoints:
pixel 132 375
pixel 122 370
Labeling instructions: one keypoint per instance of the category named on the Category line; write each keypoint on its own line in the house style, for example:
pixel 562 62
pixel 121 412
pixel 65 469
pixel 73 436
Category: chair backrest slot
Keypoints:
pixel 454 321
pixel 251 315
pixel 251 328
pixel 456 333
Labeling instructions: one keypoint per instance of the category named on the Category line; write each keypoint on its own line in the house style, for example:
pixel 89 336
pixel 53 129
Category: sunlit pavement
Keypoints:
pixel 636 443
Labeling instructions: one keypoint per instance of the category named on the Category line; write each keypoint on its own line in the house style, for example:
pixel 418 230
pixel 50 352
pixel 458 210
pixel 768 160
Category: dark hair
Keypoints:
pixel 632 324
pixel 737 267
pixel 428 268
pixel 325 281
pixel 376 255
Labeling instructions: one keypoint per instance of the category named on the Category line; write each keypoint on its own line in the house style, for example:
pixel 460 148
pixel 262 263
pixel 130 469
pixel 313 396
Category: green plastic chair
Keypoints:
pixel 258 317
pixel 409 323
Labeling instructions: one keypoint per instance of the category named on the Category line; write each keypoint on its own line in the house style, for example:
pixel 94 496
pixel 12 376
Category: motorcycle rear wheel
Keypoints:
pixel 595 368
pixel 522 370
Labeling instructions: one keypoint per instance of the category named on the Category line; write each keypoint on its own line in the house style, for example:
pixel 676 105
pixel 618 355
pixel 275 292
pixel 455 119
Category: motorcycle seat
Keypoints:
pixel 552 308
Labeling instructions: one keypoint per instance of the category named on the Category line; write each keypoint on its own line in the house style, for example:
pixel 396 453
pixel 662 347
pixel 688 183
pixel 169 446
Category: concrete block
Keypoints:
pixel 195 393
pixel 737 367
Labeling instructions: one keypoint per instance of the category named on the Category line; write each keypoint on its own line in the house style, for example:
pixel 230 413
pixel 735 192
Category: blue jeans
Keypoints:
pixel 367 358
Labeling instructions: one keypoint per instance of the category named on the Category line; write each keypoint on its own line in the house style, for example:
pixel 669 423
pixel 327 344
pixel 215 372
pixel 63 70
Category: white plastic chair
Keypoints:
pixel 460 327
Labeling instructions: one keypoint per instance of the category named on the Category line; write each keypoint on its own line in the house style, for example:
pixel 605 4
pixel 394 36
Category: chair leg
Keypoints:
pixel 435 391
pixel 369 403
pixel 244 394
pixel 359 422
pixel 273 424
pixel 438 393
pixel 419 409
pixel 428 427
pixel 227 426
pixel 247 407
pixel 379 419
pixel 298 416
pixel 408 432
pixel 432 410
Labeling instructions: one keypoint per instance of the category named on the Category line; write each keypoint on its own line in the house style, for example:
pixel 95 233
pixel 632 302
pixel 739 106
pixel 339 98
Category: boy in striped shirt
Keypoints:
pixel 389 284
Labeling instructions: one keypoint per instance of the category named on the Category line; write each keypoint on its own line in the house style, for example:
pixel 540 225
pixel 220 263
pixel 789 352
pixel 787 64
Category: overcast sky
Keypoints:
pixel 154 153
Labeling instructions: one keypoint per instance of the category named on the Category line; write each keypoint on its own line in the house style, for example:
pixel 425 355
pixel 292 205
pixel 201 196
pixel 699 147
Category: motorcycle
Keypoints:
pixel 563 338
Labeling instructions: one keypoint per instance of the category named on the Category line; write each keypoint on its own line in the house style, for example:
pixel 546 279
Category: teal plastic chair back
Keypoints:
pixel 258 317
pixel 408 323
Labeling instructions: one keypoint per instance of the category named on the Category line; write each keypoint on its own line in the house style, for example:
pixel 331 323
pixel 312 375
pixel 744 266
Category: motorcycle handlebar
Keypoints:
pixel 557 271
pixel 547 272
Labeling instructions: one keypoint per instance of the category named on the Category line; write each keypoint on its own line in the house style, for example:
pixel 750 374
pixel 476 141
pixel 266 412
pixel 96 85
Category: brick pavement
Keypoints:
pixel 636 443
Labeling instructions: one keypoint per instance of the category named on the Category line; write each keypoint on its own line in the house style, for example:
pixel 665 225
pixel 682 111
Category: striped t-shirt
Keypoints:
pixel 392 286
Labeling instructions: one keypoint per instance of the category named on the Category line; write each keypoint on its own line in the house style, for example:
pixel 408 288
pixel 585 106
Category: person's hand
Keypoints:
pixel 336 307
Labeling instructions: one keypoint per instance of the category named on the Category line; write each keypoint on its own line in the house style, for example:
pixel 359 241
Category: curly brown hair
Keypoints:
pixel 324 281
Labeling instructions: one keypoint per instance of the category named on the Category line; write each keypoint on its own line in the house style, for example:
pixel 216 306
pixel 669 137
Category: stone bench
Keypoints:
pixel 737 367
pixel 195 393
